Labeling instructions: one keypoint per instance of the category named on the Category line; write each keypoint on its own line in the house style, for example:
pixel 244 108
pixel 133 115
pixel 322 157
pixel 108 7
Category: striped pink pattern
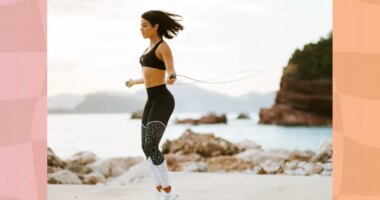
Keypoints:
pixel 23 103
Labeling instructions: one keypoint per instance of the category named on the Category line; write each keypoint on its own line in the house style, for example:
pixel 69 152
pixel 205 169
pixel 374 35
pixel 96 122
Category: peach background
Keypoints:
pixel 356 104
pixel 356 93
pixel 23 103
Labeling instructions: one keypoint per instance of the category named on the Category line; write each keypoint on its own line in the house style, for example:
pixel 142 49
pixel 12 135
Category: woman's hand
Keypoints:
pixel 129 83
pixel 171 79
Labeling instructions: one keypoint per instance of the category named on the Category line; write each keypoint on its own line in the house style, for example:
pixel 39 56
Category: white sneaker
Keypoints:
pixel 173 195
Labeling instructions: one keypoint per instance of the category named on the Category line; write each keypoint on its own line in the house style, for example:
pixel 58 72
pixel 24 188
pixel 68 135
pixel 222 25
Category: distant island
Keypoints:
pixel 189 98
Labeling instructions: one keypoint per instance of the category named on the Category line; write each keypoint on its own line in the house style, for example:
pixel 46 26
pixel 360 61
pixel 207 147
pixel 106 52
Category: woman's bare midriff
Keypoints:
pixel 153 76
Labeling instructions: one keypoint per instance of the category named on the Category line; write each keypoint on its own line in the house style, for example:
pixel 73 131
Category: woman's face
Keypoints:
pixel 147 30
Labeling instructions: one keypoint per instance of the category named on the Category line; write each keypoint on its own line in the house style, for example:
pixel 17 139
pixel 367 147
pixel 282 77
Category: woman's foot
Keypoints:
pixel 167 189
pixel 169 194
pixel 159 192
pixel 159 188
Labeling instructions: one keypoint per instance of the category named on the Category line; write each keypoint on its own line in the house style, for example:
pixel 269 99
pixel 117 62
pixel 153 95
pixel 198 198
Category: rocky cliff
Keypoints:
pixel 305 95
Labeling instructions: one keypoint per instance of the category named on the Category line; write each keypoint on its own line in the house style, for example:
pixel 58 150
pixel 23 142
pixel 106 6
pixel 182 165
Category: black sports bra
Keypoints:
pixel 150 59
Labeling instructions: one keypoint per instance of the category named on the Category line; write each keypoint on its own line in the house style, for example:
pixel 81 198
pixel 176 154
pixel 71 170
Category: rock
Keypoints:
pixel 78 162
pixel 306 168
pixel 300 102
pixel 303 156
pixel 83 158
pixel 314 169
pixel 272 167
pixel 52 169
pixel 290 167
pixel 299 172
pixel 324 154
pixel 77 167
pixel 206 145
pixel 296 167
pixel 258 170
pixel 175 161
pixel 326 173
pixel 258 156
pixel 327 167
pixel 211 118
pixel 137 114
pixel 93 178
pixel 248 144
pixel 227 164
pixel 195 167
pixel 114 166
pixel 63 177
pixel 249 155
pixel 53 160
pixel 187 121
pixel 243 116
pixel 284 115
pixel 136 173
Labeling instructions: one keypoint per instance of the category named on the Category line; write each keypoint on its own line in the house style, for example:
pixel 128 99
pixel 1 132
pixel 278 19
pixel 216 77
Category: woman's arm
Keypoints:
pixel 132 82
pixel 167 57
pixel 138 81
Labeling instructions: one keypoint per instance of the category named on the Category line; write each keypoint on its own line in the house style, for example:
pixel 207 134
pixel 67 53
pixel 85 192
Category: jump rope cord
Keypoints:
pixel 206 81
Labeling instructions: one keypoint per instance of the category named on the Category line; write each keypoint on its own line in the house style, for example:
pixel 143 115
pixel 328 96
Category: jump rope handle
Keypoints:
pixel 127 82
pixel 172 76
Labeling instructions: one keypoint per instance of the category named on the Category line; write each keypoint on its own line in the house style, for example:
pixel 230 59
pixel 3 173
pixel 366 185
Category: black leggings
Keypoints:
pixel 157 111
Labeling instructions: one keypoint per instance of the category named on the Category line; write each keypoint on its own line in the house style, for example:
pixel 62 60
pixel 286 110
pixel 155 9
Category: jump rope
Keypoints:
pixel 251 73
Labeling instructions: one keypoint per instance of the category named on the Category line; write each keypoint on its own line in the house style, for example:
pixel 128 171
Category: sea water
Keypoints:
pixel 114 135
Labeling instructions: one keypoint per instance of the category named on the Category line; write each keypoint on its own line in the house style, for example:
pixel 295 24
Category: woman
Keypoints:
pixel 157 59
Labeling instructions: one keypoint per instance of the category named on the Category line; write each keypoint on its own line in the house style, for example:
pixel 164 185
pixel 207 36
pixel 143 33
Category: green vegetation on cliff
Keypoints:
pixel 314 61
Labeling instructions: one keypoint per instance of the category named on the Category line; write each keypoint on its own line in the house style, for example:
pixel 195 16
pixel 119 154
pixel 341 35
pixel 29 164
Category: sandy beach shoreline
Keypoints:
pixel 211 186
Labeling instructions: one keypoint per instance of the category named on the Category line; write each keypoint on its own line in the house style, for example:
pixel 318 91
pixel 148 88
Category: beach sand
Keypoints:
pixel 207 186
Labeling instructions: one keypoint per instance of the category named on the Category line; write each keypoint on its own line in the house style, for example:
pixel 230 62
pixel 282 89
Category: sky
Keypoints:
pixel 95 45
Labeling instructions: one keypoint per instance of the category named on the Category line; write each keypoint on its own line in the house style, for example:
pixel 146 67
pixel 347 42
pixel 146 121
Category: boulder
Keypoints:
pixel 53 160
pixel 206 145
pixel 83 158
pixel 211 118
pixel 324 154
pixel 114 166
pixel 302 156
pixel 248 144
pixel 243 116
pixel 258 156
pixel 76 167
pixel 227 164
pixel 175 161
pixel 300 102
pixel 272 166
pixel 93 178
pixel 136 173
pixel 63 177
pixel 137 114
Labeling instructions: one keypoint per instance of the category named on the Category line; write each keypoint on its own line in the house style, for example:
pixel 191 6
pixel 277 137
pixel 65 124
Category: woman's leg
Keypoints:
pixel 154 133
pixel 148 160
pixel 155 128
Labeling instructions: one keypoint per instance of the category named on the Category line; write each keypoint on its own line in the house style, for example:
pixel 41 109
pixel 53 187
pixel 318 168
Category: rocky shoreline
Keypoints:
pixel 192 152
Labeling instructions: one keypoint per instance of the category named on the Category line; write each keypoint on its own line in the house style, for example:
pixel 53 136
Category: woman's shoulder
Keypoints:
pixel 163 47
pixel 164 44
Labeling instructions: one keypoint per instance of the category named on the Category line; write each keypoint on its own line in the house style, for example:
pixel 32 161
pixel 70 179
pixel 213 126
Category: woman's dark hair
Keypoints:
pixel 168 26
